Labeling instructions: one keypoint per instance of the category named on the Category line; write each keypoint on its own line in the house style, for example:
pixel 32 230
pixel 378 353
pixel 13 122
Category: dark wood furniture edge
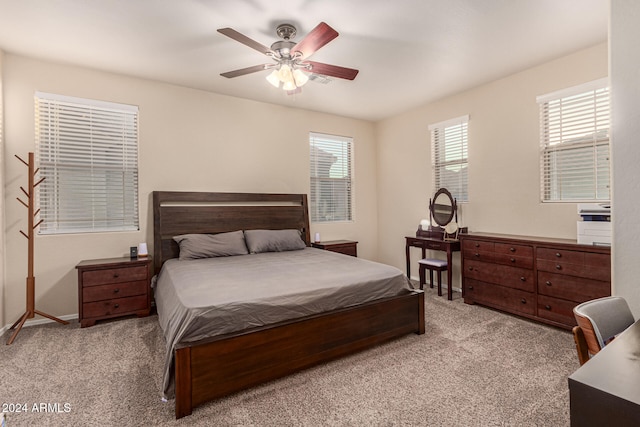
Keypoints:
pixel 354 329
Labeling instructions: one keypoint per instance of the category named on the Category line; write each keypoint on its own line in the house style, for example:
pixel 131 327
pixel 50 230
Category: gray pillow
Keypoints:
pixel 194 246
pixel 273 240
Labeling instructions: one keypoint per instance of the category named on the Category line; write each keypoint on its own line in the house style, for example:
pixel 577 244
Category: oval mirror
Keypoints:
pixel 443 207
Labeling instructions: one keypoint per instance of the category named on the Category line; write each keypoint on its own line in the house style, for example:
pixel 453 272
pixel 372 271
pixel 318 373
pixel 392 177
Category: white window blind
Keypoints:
pixel 574 144
pixel 449 157
pixel 331 177
pixel 87 152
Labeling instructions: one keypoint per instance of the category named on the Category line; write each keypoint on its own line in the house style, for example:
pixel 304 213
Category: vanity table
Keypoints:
pixel 434 243
pixel 443 210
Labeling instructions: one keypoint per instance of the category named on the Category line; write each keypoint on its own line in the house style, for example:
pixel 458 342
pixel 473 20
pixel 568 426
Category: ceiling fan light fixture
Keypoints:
pixel 274 78
pixel 300 78
pixel 291 67
pixel 285 73
pixel 289 85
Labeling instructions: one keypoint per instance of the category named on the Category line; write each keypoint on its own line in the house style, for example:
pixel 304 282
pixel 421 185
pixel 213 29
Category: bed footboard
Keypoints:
pixel 208 370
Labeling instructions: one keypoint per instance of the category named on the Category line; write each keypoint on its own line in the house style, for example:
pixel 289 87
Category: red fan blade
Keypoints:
pixel 231 33
pixel 318 37
pixel 332 70
pixel 243 71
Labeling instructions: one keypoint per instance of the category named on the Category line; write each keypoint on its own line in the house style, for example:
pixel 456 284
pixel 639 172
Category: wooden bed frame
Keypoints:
pixel 212 368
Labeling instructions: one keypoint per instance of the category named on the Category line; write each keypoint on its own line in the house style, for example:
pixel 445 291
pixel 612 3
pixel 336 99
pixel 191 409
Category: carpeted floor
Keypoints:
pixel 473 367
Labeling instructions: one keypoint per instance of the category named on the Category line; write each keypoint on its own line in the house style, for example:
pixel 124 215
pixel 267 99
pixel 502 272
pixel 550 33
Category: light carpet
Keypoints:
pixel 473 367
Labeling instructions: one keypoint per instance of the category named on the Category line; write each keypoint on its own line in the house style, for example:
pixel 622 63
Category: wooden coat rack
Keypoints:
pixel 31 280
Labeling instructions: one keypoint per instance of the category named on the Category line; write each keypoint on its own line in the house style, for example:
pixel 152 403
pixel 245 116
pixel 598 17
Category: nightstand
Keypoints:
pixel 113 287
pixel 347 247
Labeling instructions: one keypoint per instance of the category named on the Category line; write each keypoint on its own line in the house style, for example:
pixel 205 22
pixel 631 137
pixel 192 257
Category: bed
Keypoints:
pixel 204 365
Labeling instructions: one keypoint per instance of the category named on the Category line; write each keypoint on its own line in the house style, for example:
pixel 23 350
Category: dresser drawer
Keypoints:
pixel 514 250
pixel 479 256
pixel 513 300
pixel 571 288
pixel 117 290
pixel 477 245
pixel 115 307
pixel 588 271
pixel 512 277
pixel 573 257
pixel 514 261
pixel 478 270
pixel 114 275
pixel 557 310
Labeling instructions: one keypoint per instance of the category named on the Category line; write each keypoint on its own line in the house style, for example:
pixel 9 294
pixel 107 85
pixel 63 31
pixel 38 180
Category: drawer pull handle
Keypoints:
pixel 512 249
pixel 558 267
pixel 116 275
pixel 116 305
pixel 548 307
pixel 477 245
pixel 558 255
pixel 115 291
pixel 548 283
pixel 477 255
pixel 470 288
pixel 512 260
pixel 523 279
pixel 470 268
pixel 523 301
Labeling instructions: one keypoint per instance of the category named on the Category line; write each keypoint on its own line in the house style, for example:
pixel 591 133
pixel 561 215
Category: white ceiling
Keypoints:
pixel 409 52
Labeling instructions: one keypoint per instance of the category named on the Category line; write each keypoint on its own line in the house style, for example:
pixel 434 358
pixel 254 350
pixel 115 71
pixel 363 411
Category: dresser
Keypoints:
pixel 114 287
pixel 538 278
pixel 347 247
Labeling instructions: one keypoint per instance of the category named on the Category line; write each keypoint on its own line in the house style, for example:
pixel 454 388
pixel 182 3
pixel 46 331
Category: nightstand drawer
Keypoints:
pixel 115 307
pixel 114 275
pixel 117 290
pixel 347 247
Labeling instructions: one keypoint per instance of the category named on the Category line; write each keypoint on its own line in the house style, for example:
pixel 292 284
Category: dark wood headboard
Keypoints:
pixel 176 212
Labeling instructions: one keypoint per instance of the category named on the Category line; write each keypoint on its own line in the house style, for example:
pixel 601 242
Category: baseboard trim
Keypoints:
pixel 40 321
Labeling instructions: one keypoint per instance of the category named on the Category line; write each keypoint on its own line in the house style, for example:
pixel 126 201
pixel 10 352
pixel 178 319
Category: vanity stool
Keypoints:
pixel 432 265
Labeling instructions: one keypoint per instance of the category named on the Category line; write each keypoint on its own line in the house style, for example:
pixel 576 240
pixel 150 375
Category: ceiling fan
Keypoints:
pixel 290 66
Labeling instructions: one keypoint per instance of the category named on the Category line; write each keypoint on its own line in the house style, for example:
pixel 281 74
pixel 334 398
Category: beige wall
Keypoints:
pixel 625 150
pixel 189 140
pixel 503 158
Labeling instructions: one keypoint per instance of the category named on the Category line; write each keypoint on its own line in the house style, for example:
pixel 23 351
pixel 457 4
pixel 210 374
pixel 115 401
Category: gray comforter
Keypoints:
pixel 203 298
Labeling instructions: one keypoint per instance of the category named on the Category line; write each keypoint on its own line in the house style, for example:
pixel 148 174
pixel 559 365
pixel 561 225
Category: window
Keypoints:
pixel 331 178
pixel 574 144
pixel 449 157
pixel 87 152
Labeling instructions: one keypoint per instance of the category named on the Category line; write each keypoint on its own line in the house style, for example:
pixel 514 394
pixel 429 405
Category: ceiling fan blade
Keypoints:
pixel 318 37
pixel 243 71
pixel 332 70
pixel 231 33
